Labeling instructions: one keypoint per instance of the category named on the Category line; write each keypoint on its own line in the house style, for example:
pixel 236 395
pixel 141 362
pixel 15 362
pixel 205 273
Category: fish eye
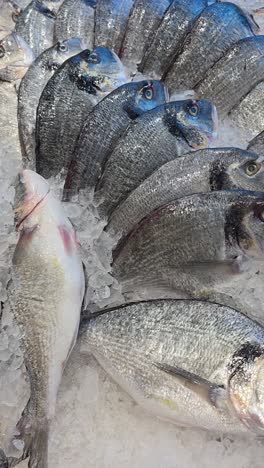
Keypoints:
pixel 148 92
pixel 2 51
pixel 15 16
pixel 193 109
pixel 63 47
pixel 251 168
pixel 93 57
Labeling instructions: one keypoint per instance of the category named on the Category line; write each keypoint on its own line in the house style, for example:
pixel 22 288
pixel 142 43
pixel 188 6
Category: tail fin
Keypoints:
pixel 38 454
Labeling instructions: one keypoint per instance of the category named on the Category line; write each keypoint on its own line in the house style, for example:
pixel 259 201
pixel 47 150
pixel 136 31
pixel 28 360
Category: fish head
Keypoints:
pixel 247 172
pixel 244 224
pixel 246 385
pixel 195 119
pixel 104 67
pixel 31 190
pixel 144 96
pixel 15 55
pixel 10 12
pixel 66 49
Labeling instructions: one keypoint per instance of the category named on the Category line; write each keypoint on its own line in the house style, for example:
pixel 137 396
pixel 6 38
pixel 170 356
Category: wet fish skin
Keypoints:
pixel 86 78
pixel 45 297
pixel 15 57
pixel 144 20
pixel 75 18
pixel 170 35
pixel 257 144
pixel 194 363
pixel 109 119
pixel 9 14
pixel 31 87
pixel 202 171
pixel 234 76
pixel 36 24
pixel 111 21
pixel 249 112
pixel 198 247
pixel 219 27
pixel 153 139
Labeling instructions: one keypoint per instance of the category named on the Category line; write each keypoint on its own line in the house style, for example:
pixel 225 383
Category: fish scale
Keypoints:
pixel 75 18
pixel 249 112
pixel 257 144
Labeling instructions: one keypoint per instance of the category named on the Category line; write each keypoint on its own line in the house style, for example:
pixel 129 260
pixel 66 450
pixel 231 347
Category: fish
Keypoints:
pixel 248 113
pixel 168 40
pixel 156 137
pixel 75 18
pixel 71 93
pixel 202 171
pixel 206 246
pixel 193 363
pixel 234 76
pixel 36 24
pixel 257 144
pixel 111 21
pixel 144 20
pixel 9 12
pixel 104 126
pixel 45 296
pixel 31 87
pixel 218 27
pixel 15 57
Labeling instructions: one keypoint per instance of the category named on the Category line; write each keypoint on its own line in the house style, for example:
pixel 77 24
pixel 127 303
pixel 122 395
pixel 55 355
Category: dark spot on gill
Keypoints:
pixel 85 83
pixel 218 178
pixel 170 120
pixel 244 355
pixel 235 233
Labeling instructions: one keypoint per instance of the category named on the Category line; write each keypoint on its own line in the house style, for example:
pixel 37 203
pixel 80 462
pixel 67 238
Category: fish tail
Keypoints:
pixel 38 457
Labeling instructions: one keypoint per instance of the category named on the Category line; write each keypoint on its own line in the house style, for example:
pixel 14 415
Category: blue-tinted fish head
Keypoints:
pixel 196 120
pixel 68 48
pixel 148 94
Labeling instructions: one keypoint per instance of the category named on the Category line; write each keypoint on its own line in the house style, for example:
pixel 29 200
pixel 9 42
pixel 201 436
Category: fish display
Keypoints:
pixel 257 144
pixel 193 363
pixel 201 171
pixel 9 12
pixel 158 136
pixel 31 87
pixel 36 24
pixel 15 57
pixel 114 112
pixel 75 18
pixel 47 311
pixel 233 77
pixel 218 27
pixel 111 21
pixel 249 112
pixel 195 247
pixel 144 20
pixel 168 40
pixel 80 83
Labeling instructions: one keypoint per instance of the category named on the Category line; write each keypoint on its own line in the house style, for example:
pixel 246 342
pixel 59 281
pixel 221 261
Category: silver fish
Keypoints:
pixel 219 27
pixel 145 18
pixel 170 35
pixel 156 137
pixel 195 364
pixel 15 57
pixel 234 76
pixel 248 113
pixel 203 246
pixel 74 89
pixel 9 12
pixel 257 144
pixel 75 18
pixel 36 24
pixel 202 171
pixel 31 87
pixel 45 296
pixel 103 128
pixel 111 21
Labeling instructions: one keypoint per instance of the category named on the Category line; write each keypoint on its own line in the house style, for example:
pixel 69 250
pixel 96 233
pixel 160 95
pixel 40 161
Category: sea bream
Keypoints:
pixel 74 89
pixel 193 363
pixel 156 137
pixel 15 57
pixel 219 26
pixel 31 87
pixel 248 114
pixel 75 18
pixel 200 171
pixel 103 127
pixel 203 246
pixel 45 296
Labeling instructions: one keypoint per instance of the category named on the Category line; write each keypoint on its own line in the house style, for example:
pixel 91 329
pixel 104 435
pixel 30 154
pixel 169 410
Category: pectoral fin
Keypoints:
pixel 213 394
